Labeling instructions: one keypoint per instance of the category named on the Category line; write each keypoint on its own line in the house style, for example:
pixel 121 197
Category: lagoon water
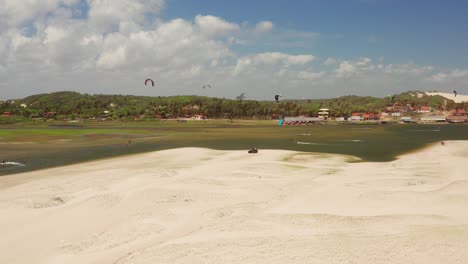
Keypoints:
pixel 369 143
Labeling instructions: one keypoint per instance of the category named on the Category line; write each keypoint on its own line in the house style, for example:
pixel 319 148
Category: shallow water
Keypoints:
pixel 369 143
pixel 11 163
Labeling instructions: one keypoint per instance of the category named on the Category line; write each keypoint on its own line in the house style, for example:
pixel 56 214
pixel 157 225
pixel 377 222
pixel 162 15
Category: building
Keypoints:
pixel 364 116
pixel 396 114
pixel 431 119
pixel 356 117
pixel 324 113
pixel 6 114
pixel 459 112
pixel 406 119
pixel 301 120
pixel 50 114
pixel 370 116
pixel 424 109
pixel 199 117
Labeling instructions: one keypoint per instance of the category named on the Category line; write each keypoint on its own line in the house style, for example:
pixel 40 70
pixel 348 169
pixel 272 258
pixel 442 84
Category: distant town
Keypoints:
pixel 409 107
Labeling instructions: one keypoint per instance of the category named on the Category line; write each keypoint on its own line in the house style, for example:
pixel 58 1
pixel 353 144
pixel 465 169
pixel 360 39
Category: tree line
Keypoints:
pixel 75 105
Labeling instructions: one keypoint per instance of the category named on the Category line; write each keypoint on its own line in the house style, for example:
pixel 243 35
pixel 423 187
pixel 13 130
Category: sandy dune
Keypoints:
pixel 460 98
pixel 204 206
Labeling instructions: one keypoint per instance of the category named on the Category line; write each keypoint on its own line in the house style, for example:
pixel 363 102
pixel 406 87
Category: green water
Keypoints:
pixel 41 148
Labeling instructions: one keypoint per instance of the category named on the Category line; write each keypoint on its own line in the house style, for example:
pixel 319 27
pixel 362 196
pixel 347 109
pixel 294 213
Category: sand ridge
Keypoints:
pixel 460 98
pixel 194 205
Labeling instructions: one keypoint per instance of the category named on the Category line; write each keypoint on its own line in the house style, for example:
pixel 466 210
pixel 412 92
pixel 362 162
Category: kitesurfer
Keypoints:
pixel 277 96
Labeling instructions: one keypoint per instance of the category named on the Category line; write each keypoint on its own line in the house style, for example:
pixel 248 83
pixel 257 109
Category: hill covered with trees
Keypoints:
pixel 76 105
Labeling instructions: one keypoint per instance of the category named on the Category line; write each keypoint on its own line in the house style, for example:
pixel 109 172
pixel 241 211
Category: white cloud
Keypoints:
pixel 112 58
pixel 212 25
pixel 16 12
pixel 277 59
pixel 310 75
pixel 54 34
pixel 263 27
pixel 363 62
pixel 274 57
pixel 44 47
pixel 330 61
pixel 451 75
pixel 346 69
pixel 110 15
pixel 439 77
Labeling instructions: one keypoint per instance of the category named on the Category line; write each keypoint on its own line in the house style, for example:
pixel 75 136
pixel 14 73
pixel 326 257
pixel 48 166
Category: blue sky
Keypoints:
pixel 302 49
pixel 426 32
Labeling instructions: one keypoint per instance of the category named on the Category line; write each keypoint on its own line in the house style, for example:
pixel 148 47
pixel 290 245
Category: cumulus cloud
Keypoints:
pixel 330 61
pixel 212 25
pixel 451 75
pixel 110 15
pixel 264 26
pixel 278 59
pixel 114 45
pixel 14 13
pixel 310 75
pixel 275 57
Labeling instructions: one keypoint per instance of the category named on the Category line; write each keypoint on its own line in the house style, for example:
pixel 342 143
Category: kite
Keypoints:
pixel 149 81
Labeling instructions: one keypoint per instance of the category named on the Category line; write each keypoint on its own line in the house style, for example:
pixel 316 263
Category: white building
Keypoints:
pixel 199 117
pixel 300 120
pixel 357 118
pixel 406 119
pixel 324 113
pixel 433 119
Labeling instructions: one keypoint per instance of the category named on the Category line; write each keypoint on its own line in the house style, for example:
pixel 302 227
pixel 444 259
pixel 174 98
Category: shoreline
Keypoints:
pixel 194 205
pixel 142 152
pixel 10 180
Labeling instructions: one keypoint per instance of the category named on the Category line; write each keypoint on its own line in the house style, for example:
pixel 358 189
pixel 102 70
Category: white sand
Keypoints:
pixel 205 206
pixel 460 98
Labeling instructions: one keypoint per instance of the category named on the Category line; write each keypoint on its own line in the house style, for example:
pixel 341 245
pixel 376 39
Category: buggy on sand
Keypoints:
pixel 254 150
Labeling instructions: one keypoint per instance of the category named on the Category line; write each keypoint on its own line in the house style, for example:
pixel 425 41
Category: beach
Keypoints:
pixel 197 205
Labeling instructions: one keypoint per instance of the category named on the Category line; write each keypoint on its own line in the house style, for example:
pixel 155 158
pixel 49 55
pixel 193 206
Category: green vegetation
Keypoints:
pixel 72 105
pixel 35 137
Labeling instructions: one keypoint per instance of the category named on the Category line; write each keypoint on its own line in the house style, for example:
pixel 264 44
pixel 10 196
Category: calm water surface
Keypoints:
pixel 38 149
